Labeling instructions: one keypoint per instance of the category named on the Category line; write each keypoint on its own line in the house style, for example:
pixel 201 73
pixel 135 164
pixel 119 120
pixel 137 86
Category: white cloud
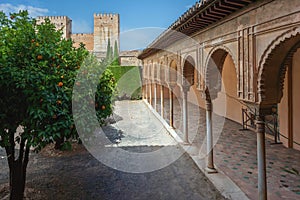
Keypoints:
pixel 81 26
pixel 138 38
pixel 33 11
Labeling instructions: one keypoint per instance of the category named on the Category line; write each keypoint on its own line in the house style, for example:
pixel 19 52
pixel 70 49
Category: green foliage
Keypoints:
pixel 128 80
pixel 37 74
pixel 108 52
pixel 94 91
pixel 116 51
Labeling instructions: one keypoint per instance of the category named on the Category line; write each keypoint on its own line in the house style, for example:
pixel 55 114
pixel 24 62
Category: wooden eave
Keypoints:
pixel 203 14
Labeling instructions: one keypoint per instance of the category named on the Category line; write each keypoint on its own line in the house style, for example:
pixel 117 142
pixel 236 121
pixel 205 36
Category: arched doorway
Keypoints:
pixel 187 84
pixel 221 79
pixel 189 71
pixel 278 85
pixel 290 104
pixel 173 93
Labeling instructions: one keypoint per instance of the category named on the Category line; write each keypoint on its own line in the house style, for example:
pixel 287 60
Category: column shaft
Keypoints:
pixel 210 167
pixel 171 96
pixel 185 116
pixel 155 95
pixel 150 93
pixel 261 160
pixel 162 101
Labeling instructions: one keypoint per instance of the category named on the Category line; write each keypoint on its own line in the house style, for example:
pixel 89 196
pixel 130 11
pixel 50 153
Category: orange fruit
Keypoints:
pixel 103 107
pixel 37 44
pixel 60 84
pixel 58 102
pixel 39 57
pixel 62 76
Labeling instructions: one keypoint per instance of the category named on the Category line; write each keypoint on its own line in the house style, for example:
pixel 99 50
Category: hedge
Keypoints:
pixel 128 80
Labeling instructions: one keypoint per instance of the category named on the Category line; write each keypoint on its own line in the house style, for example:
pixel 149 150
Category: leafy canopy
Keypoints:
pixel 37 74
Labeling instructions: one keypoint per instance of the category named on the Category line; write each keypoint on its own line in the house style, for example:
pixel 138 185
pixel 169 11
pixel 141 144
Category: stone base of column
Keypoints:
pixel 186 143
pixel 211 170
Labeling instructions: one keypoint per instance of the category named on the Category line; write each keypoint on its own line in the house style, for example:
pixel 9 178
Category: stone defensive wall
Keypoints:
pixel 85 38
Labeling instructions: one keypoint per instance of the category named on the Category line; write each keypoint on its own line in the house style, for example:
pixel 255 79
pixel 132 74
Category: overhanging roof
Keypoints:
pixel 199 16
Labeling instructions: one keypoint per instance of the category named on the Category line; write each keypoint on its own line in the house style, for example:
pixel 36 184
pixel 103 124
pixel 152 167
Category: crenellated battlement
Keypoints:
pixel 54 17
pixel 106 15
pixel 83 34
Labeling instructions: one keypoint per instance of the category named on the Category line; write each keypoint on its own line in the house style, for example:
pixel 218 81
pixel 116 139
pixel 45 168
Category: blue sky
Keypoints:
pixel 136 16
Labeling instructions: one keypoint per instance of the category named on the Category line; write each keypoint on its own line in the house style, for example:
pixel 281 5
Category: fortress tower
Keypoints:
pixel 106 27
pixel 60 22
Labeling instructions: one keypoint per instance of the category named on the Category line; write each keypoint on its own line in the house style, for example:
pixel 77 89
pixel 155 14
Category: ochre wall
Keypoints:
pixel 283 113
pixel 227 104
pixel 283 107
pixel 87 39
pixel 296 99
pixel 195 97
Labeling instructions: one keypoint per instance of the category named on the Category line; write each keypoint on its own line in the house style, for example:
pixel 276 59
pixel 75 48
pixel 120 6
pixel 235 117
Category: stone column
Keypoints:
pixel 155 95
pixel 210 167
pixel 162 101
pixel 171 98
pixel 185 90
pixel 261 159
pixel 146 90
pixel 150 92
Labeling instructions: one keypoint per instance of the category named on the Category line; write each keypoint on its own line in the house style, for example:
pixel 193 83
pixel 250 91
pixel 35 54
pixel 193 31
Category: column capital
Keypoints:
pixel 260 124
pixel 172 85
pixel 185 88
pixel 206 95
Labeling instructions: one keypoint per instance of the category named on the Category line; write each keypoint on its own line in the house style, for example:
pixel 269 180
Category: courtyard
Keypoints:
pixel 77 174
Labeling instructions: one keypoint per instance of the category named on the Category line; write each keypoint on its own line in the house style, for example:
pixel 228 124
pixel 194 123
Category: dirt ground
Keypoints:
pixel 77 175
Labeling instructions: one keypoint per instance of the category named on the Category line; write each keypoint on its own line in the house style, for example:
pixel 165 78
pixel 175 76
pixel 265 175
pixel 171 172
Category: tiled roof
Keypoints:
pixel 202 14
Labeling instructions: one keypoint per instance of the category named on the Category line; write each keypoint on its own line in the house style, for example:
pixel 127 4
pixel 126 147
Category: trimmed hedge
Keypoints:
pixel 128 80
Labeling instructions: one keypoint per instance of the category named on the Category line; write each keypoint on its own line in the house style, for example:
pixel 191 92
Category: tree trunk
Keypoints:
pixel 59 143
pixel 17 170
pixel 17 182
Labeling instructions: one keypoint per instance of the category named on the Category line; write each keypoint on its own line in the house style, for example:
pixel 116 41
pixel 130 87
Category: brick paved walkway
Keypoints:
pixel 235 155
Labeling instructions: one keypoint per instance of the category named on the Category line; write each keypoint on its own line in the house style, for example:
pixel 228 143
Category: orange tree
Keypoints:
pixel 37 74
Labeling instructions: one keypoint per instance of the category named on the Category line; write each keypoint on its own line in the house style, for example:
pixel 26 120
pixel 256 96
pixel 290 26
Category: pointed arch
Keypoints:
pixel 173 71
pixel 273 64
pixel 189 70
pixel 214 67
